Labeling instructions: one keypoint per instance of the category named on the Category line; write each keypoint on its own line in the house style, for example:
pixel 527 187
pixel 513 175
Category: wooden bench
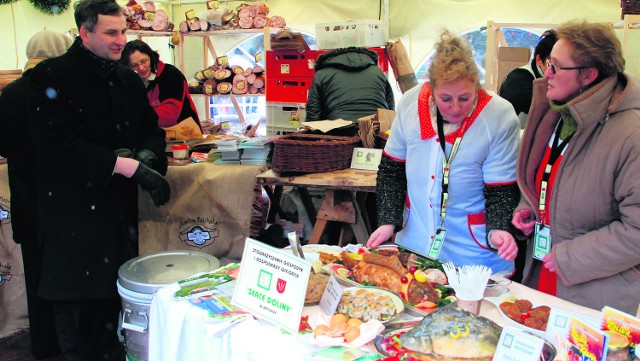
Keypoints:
pixel 7 76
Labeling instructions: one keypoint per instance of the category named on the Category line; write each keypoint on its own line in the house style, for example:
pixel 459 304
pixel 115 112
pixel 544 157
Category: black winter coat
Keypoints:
pixel 84 109
pixel 17 146
pixel 348 84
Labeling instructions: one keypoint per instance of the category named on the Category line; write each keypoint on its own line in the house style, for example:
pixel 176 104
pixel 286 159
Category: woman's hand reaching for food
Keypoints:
pixel 523 221
pixel 505 243
pixel 380 235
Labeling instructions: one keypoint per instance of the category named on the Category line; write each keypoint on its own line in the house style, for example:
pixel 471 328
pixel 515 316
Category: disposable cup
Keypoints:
pixel 472 306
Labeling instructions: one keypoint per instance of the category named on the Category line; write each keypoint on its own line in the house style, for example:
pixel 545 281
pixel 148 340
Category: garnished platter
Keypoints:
pixel 366 303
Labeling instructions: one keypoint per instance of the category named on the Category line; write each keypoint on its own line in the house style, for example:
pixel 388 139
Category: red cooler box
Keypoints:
pixel 291 63
pixel 288 89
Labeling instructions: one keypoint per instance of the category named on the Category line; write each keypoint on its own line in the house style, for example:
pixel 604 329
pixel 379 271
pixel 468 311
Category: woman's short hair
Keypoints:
pixel 453 60
pixel 142 47
pixel 595 45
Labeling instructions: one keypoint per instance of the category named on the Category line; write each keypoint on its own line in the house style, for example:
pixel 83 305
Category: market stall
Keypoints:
pixel 180 330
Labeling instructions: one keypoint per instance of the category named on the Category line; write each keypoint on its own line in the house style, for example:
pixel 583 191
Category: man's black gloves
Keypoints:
pixel 153 183
pixel 147 157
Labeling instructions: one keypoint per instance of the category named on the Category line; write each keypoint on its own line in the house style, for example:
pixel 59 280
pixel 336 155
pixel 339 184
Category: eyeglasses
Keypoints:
pixel 554 68
pixel 143 62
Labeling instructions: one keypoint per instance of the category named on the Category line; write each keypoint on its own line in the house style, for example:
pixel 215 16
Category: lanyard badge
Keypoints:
pixel 541 241
pixel 438 241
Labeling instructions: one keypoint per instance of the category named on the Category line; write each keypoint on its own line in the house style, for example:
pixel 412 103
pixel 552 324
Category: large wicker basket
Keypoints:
pixel 312 153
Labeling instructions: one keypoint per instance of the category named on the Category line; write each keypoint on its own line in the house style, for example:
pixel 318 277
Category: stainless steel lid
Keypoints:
pixel 146 274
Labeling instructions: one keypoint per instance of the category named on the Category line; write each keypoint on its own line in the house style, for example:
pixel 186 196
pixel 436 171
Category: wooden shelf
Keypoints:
pixel 228 95
pixel 228 32
pixel 149 33
pixel 209 50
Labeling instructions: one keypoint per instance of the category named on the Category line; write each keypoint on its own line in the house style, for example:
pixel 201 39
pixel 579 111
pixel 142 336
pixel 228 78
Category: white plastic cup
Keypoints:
pixel 472 306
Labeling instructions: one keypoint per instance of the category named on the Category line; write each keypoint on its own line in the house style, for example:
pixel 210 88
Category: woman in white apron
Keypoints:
pixel 447 180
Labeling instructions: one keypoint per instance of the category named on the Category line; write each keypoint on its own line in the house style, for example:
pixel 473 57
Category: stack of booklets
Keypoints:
pixel 229 152
pixel 255 150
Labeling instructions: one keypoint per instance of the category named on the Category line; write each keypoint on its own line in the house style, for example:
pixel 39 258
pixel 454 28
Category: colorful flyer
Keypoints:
pixel 586 342
pixel 272 284
pixel 558 324
pixel 623 323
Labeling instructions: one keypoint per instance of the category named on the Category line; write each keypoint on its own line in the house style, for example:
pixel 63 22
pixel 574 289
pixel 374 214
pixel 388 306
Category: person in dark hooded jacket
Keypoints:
pixel 348 85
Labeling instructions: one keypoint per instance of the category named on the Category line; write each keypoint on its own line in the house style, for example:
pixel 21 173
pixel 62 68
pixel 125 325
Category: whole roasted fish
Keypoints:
pixel 453 332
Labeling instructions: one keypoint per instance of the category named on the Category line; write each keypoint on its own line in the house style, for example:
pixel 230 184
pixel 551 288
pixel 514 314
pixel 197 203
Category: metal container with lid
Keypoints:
pixel 139 279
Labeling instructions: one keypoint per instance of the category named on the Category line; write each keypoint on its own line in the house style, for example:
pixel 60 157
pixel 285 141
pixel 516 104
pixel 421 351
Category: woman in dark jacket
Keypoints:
pixel 348 85
pixel 167 88
pixel 16 145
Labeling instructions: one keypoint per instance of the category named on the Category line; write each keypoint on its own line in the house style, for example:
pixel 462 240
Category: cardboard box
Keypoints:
pixel 510 58
pixel 369 33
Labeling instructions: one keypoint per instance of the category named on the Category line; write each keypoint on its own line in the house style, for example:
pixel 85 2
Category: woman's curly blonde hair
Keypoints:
pixel 453 61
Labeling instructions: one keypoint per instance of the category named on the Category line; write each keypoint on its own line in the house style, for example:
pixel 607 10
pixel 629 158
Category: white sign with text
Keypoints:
pixel 272 284
pixel 517 345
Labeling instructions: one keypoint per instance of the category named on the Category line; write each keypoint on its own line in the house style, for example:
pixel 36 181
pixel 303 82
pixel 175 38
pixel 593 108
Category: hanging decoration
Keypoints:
pixel 50 7
pixel 2 2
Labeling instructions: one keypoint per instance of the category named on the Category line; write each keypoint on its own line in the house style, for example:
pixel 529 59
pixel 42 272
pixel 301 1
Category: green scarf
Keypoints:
pixel 569 125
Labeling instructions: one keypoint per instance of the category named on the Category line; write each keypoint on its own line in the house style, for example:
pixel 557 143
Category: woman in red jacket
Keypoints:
pixel 167 88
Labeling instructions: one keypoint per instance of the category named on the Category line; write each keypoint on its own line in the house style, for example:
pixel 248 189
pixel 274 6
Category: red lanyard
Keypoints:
pixel 557 148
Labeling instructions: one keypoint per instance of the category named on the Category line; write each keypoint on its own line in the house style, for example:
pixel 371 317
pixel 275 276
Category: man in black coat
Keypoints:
pixel 90 120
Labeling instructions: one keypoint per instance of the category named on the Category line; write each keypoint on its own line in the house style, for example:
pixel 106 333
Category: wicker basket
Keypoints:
pixel 312 153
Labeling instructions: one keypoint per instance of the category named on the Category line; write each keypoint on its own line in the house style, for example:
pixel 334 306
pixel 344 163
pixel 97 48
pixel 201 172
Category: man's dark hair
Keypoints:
pixel 87 11
pixel 545 44
pixel 142 47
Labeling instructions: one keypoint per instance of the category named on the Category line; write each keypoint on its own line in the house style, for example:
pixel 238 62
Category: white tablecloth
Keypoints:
pixel 180 331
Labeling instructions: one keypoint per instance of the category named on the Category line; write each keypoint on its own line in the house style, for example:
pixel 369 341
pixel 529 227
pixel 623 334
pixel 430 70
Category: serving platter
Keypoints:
pixel 386 346
pixel 370 296
pixel 510 298
pixel 410 310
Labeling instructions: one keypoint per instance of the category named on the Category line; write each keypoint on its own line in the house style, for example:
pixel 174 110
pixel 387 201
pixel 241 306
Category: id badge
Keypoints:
pixel 541 241
pixel 438 241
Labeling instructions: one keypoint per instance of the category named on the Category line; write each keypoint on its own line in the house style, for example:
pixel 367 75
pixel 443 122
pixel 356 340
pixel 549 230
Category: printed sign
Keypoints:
pixel 272 284
pixel 516 345
pixel 366 158
pixel 331 296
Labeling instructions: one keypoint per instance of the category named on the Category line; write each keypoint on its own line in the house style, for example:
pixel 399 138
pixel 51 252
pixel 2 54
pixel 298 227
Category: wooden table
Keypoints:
pixel 343 201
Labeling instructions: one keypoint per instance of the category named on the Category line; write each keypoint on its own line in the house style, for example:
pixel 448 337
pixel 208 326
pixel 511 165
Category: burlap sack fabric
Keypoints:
pixel 13 292
pixel 209 211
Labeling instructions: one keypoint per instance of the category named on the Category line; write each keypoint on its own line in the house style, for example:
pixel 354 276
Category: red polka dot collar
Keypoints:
pixel 426 127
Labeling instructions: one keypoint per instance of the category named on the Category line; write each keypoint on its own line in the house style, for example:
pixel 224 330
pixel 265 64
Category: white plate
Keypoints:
pixel 312 251
pixel 499 299
pixel 397 301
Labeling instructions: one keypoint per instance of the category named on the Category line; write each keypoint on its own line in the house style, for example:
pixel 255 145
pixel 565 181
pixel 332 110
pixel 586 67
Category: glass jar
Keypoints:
pixel 618 349
pixel 180 151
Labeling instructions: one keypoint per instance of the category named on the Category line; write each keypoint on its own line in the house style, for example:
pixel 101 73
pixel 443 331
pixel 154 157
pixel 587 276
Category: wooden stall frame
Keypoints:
pixel 208 49
pixel 496 39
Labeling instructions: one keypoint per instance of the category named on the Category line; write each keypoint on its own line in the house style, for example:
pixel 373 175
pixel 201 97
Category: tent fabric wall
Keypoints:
pixel 416 23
